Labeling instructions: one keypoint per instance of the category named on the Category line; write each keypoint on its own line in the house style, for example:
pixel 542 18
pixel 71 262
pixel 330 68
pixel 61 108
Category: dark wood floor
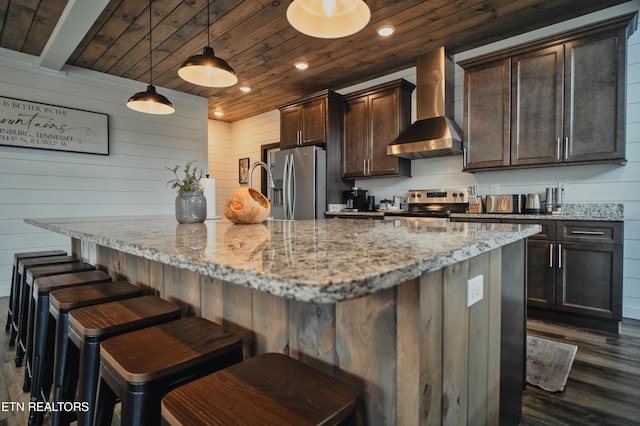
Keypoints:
pixel 603 386
pixel 604 383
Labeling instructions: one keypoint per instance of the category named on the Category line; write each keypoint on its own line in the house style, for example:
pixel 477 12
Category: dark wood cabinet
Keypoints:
pixel 373 118
pixel 589 268
pixel 317 120
pixel 595 84
pixel 561 101
pixel 486 116
pixel 307 122
pixel 537 106
pixel 574 271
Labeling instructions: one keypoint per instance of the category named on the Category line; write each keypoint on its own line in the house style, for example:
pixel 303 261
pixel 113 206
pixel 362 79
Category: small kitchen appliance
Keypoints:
pixel 356 200
pixel 437 204
pixel 504 203
pixel 533 205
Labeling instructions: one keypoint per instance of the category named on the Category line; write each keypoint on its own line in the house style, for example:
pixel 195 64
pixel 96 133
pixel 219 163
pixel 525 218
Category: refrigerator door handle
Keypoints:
pixel 292 187
pixel 285 187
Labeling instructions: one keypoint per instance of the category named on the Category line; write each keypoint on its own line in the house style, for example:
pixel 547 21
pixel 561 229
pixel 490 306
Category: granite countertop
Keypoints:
pixel 320 261
pixel 572 211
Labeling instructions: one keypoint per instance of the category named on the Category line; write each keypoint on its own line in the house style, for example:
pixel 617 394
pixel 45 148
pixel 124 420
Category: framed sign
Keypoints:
pixel 243 170
pixel 35 125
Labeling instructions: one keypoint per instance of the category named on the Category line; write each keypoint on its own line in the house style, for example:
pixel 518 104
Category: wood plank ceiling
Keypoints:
pixel 258 42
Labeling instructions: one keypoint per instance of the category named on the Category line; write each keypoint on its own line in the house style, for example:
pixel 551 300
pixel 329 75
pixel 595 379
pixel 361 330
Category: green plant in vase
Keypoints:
pixel 191 205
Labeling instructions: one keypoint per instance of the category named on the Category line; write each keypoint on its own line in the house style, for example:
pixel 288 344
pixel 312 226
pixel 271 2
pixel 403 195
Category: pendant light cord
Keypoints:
pixel 208 25
pixel 150 45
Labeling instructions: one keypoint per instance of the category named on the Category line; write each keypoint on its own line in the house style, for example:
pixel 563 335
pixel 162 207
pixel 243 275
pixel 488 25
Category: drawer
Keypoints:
pixel 591 232
pixel 548 228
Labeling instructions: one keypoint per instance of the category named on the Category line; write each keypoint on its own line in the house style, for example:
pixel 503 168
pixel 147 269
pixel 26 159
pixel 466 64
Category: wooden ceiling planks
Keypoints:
pixel 258 42
pixel 19 16
pixel 44 21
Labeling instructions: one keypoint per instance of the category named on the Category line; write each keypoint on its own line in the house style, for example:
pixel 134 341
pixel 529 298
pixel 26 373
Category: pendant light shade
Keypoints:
pixel 328 18
pixel 150 101
pixel 207 69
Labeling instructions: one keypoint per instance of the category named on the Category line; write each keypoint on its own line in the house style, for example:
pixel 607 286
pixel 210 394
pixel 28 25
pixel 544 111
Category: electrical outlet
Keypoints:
pixel 495 189
pixel 474 290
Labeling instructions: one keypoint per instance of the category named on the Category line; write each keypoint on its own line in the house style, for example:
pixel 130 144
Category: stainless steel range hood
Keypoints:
pixel 434 133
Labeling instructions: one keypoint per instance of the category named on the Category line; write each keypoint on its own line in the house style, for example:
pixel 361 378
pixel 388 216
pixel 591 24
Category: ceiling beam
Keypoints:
pixel 76 19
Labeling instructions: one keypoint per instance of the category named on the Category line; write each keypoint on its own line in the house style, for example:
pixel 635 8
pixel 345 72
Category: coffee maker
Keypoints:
pixel 355 200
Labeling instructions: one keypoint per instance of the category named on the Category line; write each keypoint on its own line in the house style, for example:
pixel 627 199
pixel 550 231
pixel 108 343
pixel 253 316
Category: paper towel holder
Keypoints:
pixel 209 188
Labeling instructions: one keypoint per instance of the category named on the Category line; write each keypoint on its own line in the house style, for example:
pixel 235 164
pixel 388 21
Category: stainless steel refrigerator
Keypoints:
pixel 300 179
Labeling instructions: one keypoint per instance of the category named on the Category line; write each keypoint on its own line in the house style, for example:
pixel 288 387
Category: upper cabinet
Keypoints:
pixel 309 121
pixel 552 102
pixel 373 118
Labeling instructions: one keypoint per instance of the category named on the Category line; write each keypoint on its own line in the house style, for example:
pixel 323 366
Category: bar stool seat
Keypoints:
pixel 20 293
pixel 17 257
pixel 139 368
pixel 61 302
pixel 270 389
pixel 91 325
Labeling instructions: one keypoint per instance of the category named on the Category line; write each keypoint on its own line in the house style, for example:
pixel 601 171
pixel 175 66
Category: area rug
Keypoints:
pixel 549 363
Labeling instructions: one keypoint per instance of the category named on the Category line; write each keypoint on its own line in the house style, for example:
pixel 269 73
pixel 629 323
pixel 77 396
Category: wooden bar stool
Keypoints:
pixel 139 368
pixel 91 325
pixel 40 346
pixel 20 294
pixel 270 389
pixel 25 327
pixel 61 302
pixel 17 257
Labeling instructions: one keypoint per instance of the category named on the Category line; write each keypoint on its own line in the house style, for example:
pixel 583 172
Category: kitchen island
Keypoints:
pixel 380 304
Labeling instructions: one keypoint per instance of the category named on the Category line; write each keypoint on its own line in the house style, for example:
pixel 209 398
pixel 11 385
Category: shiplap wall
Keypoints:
pixel 131 180
pixel 598 183
pixel 243 140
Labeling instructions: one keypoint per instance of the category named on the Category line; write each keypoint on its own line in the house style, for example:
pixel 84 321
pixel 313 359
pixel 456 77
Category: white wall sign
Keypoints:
pixel 36 125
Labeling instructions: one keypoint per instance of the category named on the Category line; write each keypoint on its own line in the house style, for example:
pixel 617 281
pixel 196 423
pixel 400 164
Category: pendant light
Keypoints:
pixel 207 69
pixel 328 18
pixel 149 101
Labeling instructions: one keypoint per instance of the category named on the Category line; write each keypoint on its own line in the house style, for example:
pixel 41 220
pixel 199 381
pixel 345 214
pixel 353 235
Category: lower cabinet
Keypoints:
pixel 574 272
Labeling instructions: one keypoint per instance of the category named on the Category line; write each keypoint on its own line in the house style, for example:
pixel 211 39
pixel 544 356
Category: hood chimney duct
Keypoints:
pixel 434 133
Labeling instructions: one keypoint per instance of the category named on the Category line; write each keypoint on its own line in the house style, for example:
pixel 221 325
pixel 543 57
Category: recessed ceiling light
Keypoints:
pixel 245 89
pixel 386 30
pixel 218 113
pixel 301 65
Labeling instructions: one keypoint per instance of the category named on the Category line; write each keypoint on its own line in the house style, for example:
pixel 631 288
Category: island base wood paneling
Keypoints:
pixel 415 353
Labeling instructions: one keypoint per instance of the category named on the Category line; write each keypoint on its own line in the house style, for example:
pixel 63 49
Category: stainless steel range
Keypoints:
pixel 436 203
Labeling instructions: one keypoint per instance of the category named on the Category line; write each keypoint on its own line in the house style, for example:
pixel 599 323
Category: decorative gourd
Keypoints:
pixel 247 205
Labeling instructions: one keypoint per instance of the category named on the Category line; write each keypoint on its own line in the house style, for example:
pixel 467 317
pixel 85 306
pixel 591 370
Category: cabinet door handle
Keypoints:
pixel 587 232
pixel 566 147
pixel 364 166
pixel 299 137
pixel 558 149
pixel 368 166
pixel 559 256
pixel 550 255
